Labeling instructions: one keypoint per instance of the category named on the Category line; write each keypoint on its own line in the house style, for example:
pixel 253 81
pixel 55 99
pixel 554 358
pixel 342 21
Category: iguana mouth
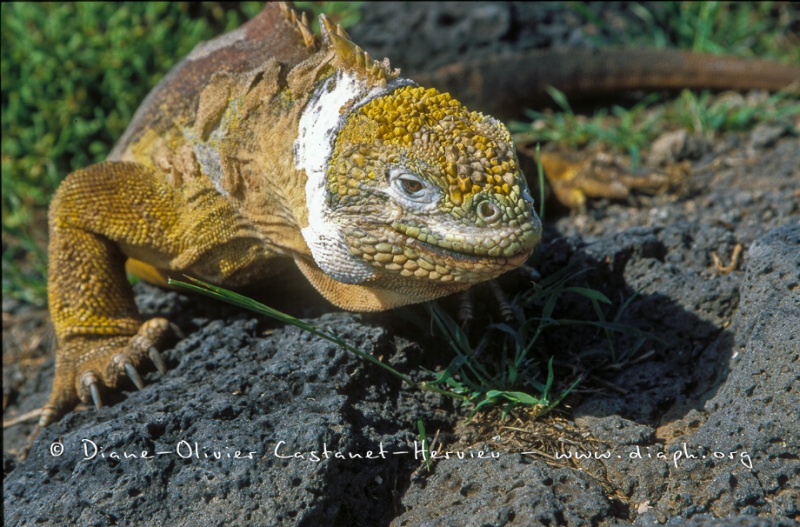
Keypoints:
pixel 503 242
pixel 469 260
pixel 430 261
pixel 420 254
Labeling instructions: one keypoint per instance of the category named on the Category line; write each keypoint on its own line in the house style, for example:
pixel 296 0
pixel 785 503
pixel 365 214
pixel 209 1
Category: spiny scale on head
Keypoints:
pixel 353 57
pixel 350 55
pixel 300 24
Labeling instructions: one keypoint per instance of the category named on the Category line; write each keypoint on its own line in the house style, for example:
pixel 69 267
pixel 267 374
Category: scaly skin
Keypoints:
pixel 262 146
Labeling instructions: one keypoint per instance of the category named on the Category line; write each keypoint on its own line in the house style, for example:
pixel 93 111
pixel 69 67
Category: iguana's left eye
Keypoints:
pixel 410 185
pixel 412 189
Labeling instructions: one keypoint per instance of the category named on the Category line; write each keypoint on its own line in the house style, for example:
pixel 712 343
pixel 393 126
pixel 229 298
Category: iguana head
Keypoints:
pixel 406 185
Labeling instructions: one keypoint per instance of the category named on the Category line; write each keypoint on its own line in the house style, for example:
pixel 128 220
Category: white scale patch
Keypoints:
pixel 320 123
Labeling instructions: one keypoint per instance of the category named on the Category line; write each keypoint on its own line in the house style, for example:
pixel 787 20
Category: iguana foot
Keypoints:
pixel 87 365
pixel 466 301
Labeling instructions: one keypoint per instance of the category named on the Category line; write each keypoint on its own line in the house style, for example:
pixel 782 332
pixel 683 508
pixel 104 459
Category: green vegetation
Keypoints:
pixel 511 378
pixel 519 369
pixel 743 29
pixel 345 13
pixel 72 76
pixel 423 440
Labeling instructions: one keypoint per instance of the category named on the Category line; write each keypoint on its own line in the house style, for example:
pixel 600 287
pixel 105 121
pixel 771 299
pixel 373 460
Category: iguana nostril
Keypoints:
pixel 489 212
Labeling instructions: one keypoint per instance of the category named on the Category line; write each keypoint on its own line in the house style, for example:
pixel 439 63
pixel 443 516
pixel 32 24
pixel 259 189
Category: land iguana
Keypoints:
pixel 265 145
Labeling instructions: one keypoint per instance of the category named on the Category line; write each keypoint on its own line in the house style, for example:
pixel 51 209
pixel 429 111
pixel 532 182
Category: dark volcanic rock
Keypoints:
pixel 506 491
pixel 233 404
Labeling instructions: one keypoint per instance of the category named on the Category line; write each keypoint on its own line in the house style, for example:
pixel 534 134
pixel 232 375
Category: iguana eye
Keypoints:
pixel 410 185
pixel 411 189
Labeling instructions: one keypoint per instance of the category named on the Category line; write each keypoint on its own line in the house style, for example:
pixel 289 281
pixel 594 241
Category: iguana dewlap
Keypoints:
pixel 264 145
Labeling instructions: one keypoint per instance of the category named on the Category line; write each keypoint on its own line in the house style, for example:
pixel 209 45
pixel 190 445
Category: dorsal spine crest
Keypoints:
pixel 300 24
pixel 353 58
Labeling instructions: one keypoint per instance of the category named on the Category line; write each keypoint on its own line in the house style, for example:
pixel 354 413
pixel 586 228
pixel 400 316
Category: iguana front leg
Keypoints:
pixel 102 215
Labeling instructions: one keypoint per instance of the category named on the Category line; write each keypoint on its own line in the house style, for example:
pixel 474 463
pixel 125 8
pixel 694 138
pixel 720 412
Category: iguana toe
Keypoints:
pixel 134 376
pixel 88 388
pixel 157 359
pixel 506 311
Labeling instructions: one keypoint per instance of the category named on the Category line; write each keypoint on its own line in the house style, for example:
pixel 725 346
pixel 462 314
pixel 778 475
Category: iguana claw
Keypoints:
pixel 177 331
pixel 96 364
pixel 89 388
pixel 134 375
pixel 157 359
pixel 98 402
pixel 466 308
